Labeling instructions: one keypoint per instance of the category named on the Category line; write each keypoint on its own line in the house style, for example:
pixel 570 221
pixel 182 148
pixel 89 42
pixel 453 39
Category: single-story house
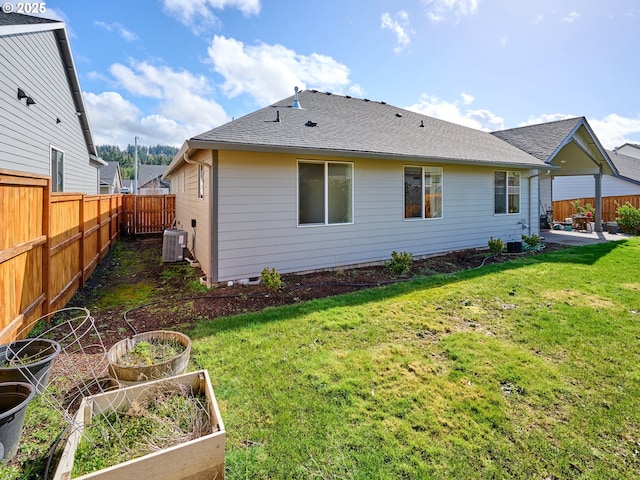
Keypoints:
pixel 625 182
pixel 44 128
pixel 572 147
pixel 150 180
pixel 320 181
pixel 110 178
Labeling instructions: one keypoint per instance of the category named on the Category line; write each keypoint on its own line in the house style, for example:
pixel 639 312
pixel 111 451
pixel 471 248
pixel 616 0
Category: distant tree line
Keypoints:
pixel 157 155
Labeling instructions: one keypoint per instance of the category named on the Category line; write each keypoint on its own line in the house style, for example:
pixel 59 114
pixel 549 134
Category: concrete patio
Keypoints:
pixel 580 237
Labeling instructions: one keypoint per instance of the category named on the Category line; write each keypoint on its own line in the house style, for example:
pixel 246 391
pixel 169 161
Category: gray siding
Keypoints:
pixel 32 62
pixel 258 216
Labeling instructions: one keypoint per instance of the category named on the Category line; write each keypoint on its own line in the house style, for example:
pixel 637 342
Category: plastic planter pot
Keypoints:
pixel 14 398
pixel 28 360
pixel 126 374
pixel 514 247
pixel 198 459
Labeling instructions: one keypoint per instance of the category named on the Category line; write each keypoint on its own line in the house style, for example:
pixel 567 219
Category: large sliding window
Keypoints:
pixel 325 193
pixel 422 192
pixel 57 170
pixel 506 192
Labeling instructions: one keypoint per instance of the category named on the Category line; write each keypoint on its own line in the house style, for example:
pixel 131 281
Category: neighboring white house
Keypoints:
pixel 320 181
pixel 43 122
pixel 110 178
pixel 625 182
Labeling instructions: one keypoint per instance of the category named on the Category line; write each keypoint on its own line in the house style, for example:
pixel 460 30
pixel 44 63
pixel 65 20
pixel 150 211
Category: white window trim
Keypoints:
pixel 326 193
pixel 506 196
pixel 422 217
pixel 55 180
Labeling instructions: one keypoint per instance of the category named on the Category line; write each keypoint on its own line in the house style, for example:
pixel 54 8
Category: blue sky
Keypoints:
pixel 166 70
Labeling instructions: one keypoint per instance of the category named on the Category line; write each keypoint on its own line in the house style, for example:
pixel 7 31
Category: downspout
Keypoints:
pixel 213 218
pixel 530 202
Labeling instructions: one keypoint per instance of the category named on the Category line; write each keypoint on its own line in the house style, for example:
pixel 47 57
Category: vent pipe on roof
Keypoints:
pixel 296 103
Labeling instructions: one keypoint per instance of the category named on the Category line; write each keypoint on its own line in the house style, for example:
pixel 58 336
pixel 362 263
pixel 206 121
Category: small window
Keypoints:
pixel 57 170
pixel 200 181
pixel 506 192
pixel 325 193
pixel 422 192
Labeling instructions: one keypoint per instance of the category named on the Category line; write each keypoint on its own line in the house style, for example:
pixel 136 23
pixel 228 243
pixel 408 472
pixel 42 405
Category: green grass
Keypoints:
pixel 528 369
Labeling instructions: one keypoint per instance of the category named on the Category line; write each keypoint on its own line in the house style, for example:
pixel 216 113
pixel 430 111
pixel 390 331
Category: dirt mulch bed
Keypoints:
pixel 178 307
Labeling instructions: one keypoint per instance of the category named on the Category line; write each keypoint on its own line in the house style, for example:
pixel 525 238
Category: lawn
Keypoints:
pixel 525 369
pixel 528 369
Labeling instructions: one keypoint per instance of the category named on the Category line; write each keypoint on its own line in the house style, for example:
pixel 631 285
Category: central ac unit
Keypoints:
pixel 173 244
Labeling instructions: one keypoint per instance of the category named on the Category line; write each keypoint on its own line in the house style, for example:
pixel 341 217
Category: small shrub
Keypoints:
pixel 400 262
pixel 496 245
pixel 271 278
pixel 628 218
pixel 533 241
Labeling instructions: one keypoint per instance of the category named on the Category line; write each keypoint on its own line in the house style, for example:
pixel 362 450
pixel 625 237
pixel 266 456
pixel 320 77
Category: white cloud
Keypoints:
pixel 572 17
pixel 504 40
pixel 181 94
pixel 612 130
pixel 466 98
pixel 199 14
pixel 440 10
pixel 538 20
pixel 128 35
pixel 182 108
pixel 457 112
pixel 545 118
pixel 399 27
pixel 116 121
pixel 269 72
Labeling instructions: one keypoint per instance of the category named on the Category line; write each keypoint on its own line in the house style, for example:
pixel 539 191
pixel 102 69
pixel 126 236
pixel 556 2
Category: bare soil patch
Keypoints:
pixel 175 305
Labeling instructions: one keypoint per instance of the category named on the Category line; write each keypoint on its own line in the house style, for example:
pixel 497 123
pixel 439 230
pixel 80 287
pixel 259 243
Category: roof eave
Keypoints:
pixel 74 85
pixel 193 145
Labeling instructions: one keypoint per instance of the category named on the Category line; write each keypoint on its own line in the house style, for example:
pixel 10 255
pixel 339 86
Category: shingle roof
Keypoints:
pixel 108 172
pixel 20 19
pixel 628 167
pixel 336 124
pixel 540 140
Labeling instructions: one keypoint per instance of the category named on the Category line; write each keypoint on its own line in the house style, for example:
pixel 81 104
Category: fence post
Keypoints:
pixel 46 248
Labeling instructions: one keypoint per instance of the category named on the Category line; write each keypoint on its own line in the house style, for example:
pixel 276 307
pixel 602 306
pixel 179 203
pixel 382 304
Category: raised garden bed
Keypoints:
pixel 195 459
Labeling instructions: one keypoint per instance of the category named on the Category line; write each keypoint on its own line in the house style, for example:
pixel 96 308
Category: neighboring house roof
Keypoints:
pixel 149 173
pixel 110 175
pixel 108 172
pixel 545 140
pixel 628 167
pixel 16 23
pixel 329 124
